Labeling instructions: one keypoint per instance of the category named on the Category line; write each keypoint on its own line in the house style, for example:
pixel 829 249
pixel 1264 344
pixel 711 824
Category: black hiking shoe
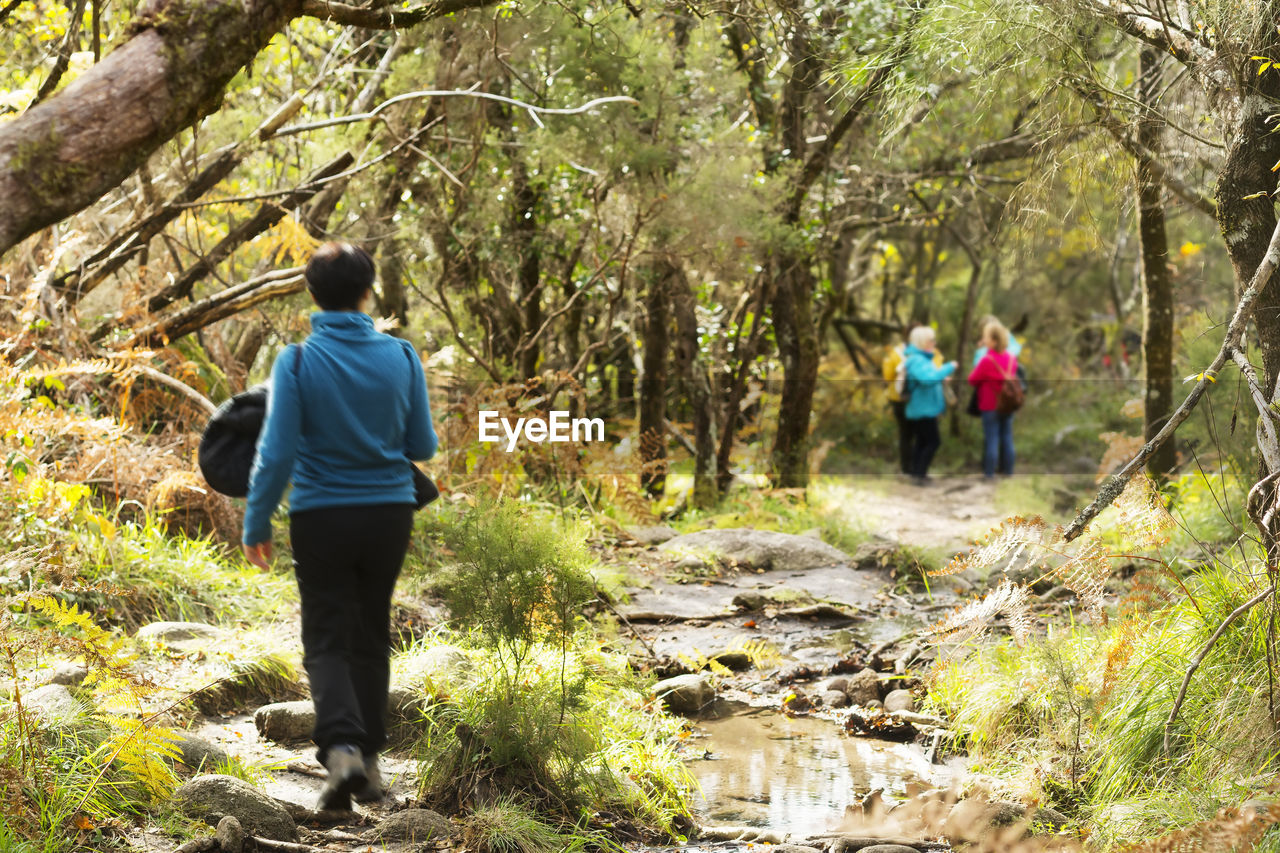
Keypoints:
pixel 372 792
pixel 346 776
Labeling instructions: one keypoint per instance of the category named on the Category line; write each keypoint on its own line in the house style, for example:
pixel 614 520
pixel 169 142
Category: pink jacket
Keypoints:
pixel 988 375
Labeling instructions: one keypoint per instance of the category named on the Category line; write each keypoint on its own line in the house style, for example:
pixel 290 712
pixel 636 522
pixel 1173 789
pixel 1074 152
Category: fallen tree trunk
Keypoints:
pixel 219 306
pixel 66 152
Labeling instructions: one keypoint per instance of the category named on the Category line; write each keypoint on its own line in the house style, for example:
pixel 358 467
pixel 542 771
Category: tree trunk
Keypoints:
pixel 524 227
pixel 66 152
pixel 793 328
pixel 1157 293
pixel 690 365
pixel 392 300
pixel 653 379
pixel 744 354
pixel 966 332
pixel 1246 218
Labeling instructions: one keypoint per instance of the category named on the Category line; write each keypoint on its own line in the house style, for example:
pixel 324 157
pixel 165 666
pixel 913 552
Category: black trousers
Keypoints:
pixel 925 441
pixel 904 435
pixel 346 560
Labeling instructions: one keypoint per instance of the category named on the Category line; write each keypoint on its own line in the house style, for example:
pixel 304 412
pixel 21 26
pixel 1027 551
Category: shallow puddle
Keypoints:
pixel 797 775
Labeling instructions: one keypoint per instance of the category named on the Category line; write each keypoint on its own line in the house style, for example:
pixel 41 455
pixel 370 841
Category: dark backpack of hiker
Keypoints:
pixel 1012 395
pixel 230 440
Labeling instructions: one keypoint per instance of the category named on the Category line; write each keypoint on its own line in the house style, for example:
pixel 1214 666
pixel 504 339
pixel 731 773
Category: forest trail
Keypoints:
pixel 776 772
pixel 945 516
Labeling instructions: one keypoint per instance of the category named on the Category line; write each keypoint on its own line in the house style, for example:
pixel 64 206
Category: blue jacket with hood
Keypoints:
pixel 340 423
pixel 924 381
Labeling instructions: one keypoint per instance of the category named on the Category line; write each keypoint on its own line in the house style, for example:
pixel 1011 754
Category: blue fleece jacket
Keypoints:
pixel 924 380
pixel 340 423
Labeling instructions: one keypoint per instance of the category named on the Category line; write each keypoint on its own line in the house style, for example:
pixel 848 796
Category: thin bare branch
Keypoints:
pixel 1195 664
pixel 387 18
pixel 1115 484
pixel 453 93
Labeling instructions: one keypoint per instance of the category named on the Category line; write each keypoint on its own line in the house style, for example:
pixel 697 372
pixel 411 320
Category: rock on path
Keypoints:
pixel 756 549
pixel 283 722
pixel 416 825
pixel 211 798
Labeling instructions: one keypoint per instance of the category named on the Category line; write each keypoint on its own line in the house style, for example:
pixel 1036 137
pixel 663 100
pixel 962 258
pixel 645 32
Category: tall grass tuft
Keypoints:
pixel 542 715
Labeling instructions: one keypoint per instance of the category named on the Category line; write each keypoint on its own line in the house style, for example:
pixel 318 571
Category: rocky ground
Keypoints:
pixel 748 625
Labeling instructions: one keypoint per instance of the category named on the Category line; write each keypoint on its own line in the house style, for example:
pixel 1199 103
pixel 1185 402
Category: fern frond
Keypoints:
pixel 1084 573
pixel 1229 831
pixel 1143 514
pixel 1005 545
pixel 1120 449
pixel 145 751
pixel 762 653
pixel 973 619
pixel 1119 652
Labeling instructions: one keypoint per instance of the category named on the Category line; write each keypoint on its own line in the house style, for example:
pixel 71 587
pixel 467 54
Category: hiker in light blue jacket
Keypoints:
pixel 347 410
pixel 926 400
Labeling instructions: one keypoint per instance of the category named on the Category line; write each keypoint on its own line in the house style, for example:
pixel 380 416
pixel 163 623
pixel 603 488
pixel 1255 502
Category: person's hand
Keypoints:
pixel 259 555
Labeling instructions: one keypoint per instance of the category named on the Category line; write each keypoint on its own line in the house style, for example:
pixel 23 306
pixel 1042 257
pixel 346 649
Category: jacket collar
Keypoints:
pixel 344 324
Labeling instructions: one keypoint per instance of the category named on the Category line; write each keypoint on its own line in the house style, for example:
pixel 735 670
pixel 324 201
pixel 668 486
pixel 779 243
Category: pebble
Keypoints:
pixel 899 700
pixel 68 674
pixel 231 835
pixel 864 687
pixel 416 825
pixel 833 699
pixel 685 694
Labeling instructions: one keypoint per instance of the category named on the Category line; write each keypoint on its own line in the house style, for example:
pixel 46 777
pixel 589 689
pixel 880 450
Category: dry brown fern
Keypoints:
pixel 973 619
pixel 1119 652
pixel 612 470
pixel 1230 831
pixel 185 503
pixel 1145 593
pixel 1006 544
pixel 1120 449
pixel 1084 573
pixel 1143 514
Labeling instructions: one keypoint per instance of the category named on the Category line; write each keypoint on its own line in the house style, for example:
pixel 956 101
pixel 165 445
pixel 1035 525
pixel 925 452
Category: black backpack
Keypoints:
pixel 230 439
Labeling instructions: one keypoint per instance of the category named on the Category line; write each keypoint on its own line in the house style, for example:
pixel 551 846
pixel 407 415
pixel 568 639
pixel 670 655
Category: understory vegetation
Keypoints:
pixel 1092 716
pixel 705 226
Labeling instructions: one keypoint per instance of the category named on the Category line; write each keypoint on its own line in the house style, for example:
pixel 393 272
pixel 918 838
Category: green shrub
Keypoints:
pixel 544 717
pixel 518 579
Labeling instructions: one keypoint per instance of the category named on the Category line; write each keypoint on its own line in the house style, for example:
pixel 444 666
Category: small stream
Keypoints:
pixel 797 775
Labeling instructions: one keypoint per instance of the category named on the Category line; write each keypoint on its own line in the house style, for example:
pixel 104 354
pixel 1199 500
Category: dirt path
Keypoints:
pixel 808 623
pixel 944 516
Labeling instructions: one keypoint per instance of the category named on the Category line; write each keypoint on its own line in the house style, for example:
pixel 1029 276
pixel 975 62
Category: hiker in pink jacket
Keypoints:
pixel 987 377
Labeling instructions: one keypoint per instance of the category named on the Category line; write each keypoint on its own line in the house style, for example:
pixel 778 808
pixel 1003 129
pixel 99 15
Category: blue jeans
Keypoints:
pixel 997 443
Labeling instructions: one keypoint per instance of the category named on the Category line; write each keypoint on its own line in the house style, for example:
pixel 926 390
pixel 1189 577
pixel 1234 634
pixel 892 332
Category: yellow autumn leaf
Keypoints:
pixel 108 529
pixel 1188 249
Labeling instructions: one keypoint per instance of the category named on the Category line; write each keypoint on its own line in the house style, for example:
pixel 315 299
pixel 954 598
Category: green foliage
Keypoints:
pixel 544 714
pixel 61 778
pixel 1078 718
pixel 510 826
pixel 518 580
pixel 176 578
pixel 573 736
pixel 820 507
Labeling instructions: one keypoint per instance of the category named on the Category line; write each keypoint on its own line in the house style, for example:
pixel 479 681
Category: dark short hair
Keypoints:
pixel 338 275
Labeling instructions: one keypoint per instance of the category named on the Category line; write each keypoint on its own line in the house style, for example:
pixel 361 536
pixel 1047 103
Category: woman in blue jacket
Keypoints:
pixel 345 409
pixel 926 401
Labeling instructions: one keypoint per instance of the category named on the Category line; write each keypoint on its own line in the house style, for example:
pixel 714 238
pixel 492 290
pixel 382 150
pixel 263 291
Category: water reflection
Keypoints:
pixel 797 775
